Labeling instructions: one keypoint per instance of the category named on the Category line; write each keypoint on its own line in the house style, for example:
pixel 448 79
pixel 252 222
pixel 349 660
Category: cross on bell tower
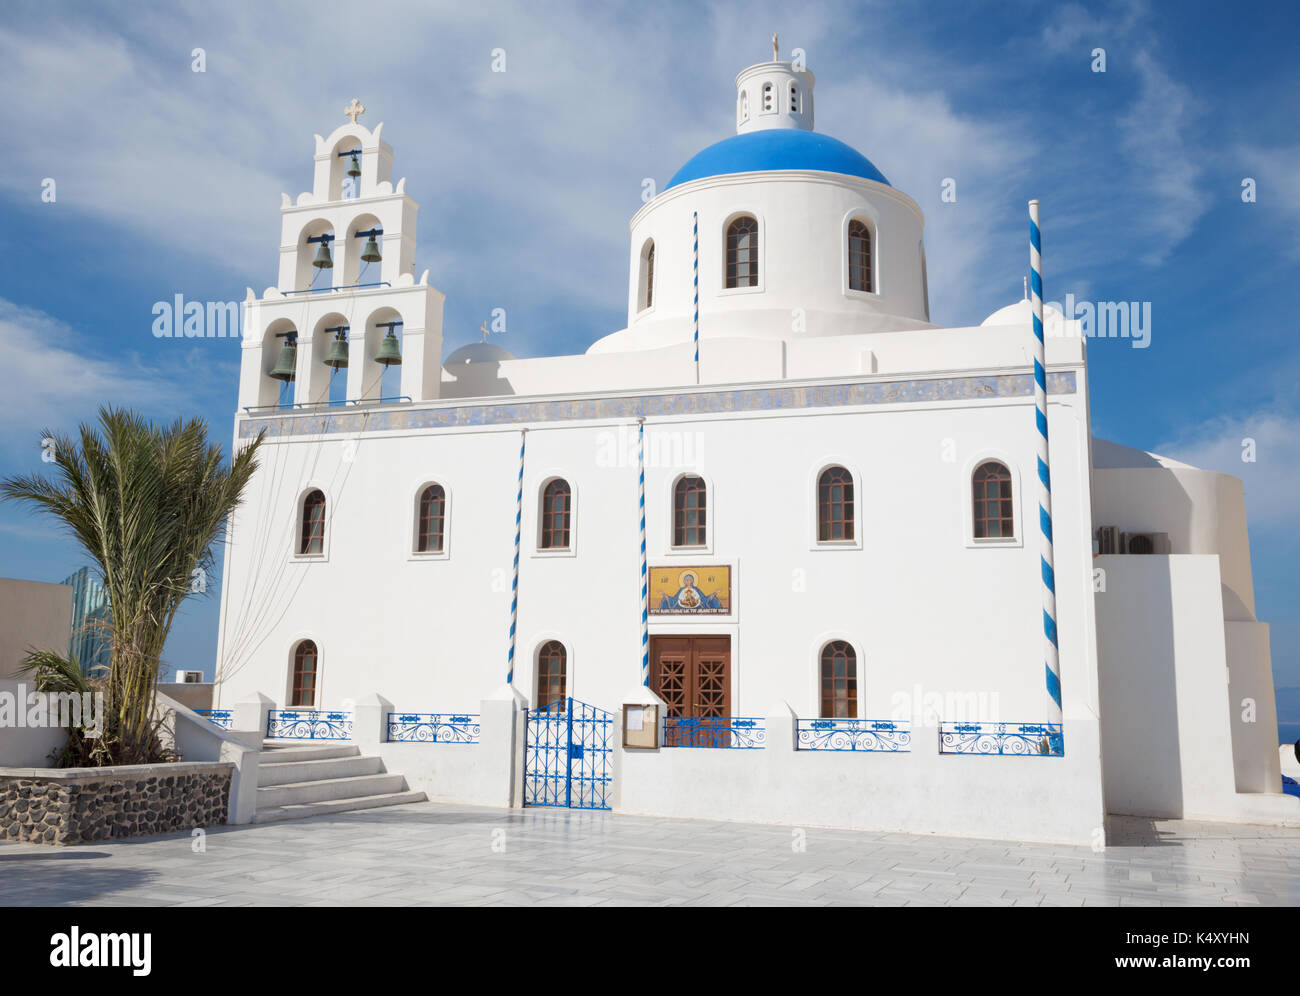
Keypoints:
pixel 355 109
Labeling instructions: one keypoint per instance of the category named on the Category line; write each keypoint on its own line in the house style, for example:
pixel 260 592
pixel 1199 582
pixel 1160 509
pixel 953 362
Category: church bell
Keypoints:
pixel 338 354
pixel 389 354
pixel 287 364
pixel 354 167
pixel 370 254
pixel 323 260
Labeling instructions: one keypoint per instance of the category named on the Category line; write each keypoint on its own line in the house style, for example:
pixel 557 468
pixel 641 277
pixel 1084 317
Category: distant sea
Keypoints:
pixel 1288 705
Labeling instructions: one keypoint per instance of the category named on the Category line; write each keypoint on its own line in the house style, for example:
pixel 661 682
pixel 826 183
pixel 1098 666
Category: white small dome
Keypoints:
pixel 478 352
pixel 1022 313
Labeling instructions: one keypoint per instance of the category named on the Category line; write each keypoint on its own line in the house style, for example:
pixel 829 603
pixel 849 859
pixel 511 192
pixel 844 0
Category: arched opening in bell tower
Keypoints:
pixel 307 273
pixel 345 158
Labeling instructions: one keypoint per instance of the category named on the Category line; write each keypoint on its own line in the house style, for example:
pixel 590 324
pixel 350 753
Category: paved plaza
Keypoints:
pixel 431 853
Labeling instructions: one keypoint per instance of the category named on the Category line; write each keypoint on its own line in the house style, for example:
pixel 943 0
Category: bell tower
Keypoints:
pixel 346 308
pixel 774 94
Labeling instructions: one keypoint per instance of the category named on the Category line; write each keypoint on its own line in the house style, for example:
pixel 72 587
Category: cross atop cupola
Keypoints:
pixel 775 94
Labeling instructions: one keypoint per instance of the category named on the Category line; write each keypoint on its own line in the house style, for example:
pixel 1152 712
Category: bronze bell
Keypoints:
pixel 354 167
pixel 323 260
pixel 389 354
pixel 338 354
pixel 287 365
pixel 370 254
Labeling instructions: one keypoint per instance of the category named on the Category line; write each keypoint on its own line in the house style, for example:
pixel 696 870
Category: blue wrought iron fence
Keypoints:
pixel 308 724
pixel 433 727
pixel 224 718
pixel 1020 739
pixel 735 732
pixel 853 735
pixel 567 756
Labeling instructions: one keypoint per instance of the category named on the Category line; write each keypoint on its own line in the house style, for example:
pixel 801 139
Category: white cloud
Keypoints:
pixel 1165 171
pixel 923 141
pixel 56 378
pixel 1072 27
pixel 1277 190
pixel 527 178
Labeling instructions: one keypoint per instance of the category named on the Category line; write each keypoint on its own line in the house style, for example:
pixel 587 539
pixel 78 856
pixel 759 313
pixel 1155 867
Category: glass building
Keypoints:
pixel 90 641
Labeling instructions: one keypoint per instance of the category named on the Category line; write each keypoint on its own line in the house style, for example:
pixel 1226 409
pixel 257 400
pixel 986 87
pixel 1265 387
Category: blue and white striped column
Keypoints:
pixel 697 295
pixel 645 573
pixel 1050 647
pixel 514 583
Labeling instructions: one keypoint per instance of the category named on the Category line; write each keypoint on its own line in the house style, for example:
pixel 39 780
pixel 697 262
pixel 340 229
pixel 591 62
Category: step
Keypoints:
pixel 300 811
pixel 273 753
pixel 326 789
pixel 288 772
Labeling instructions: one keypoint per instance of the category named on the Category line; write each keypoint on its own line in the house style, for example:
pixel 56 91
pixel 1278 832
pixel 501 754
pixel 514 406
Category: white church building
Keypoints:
pixel 770 552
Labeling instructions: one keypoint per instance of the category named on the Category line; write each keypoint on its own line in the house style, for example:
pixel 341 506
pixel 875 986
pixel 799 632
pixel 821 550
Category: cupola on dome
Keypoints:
pixel 775 130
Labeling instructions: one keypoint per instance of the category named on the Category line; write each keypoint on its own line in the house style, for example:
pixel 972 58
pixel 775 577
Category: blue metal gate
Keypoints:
pixel 567 756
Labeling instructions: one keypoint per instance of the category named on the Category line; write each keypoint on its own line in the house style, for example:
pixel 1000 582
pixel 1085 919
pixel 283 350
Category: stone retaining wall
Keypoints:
pixel 73 805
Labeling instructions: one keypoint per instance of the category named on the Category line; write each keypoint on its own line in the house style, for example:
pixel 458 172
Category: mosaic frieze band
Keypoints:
pixel 663 405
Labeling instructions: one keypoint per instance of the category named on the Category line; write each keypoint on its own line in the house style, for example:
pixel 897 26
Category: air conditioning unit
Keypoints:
pixel 189 677
pixel 1107 540
pixel 1144 543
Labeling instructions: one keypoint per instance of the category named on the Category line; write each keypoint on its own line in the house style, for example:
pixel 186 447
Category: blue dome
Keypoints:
pixel 777 149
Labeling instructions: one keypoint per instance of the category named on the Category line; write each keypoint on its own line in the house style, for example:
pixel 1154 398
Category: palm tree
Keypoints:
pixel 147 503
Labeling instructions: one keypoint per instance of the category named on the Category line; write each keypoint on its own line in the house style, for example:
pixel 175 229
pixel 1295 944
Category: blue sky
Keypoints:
pixel 169 182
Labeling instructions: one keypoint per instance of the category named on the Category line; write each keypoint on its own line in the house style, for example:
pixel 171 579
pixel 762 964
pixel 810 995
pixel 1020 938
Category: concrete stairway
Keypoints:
pixel 294 782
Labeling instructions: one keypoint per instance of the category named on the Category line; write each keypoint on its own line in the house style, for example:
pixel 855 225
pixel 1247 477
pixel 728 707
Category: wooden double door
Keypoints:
pixel 692 674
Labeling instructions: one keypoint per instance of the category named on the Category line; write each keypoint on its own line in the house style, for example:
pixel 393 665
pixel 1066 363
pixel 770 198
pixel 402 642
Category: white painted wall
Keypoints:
pixel 26 746
pixel 803 222
pixel 926 605
pixel 1202 511
pixel 1252 707
pixel 1170 721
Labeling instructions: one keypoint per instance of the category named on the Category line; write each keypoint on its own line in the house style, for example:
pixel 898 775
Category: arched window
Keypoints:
pixel 839 667
pixel 433 519
pixel 744 105
pixel 304 675
pixel 647 294
pixel 742 252
pixel 312 539
pixel 551 665
pixel 834 505
pixel 690 511
pixel 769 97
pixel 991 489
pixel 860 278
pixel 557 506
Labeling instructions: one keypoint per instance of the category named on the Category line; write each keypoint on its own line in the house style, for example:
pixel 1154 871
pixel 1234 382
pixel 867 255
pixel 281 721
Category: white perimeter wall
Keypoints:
pixel 1009 798
pixel 26 746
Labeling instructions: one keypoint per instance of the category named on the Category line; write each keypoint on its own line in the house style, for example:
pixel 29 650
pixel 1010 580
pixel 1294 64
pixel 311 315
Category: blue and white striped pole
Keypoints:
pixel 697 295
pixel 514 584
pixel 1050 647
pixel 645 573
